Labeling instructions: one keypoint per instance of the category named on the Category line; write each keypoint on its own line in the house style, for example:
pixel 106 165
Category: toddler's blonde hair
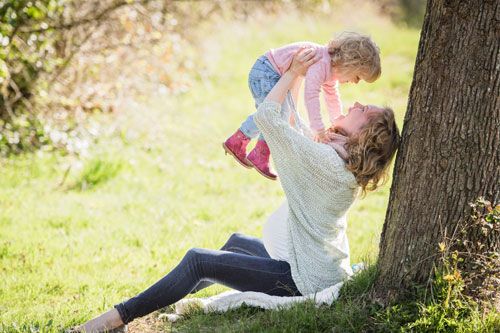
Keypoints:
pixel 356 53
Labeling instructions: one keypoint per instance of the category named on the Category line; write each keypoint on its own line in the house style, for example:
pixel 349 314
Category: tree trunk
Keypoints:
pixel 449 153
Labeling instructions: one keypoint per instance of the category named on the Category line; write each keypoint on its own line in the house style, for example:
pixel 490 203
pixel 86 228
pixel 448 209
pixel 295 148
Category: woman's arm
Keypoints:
pixel 295 89
pixel 295 96
pixel 299 66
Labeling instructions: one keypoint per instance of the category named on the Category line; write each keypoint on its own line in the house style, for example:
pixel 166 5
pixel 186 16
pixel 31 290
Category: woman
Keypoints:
pixel 304 248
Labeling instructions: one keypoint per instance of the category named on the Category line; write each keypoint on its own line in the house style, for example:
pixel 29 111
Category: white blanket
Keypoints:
pixel 233 299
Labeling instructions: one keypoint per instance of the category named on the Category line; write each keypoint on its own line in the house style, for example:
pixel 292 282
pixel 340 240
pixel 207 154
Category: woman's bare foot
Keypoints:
pixel 107 322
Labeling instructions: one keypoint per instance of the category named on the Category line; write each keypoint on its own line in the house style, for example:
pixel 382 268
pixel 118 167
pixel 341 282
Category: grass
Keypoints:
pixel 95 172
pixel 126 214
pixel 347 314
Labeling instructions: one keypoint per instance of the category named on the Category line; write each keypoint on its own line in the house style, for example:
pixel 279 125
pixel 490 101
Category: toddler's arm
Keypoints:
pixel 313 81
pixel 332 98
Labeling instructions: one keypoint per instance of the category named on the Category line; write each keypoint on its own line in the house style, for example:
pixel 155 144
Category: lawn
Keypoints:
pixel 159 184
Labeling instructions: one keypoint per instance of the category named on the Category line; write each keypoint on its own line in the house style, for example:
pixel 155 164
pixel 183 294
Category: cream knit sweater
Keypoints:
pixel 319 190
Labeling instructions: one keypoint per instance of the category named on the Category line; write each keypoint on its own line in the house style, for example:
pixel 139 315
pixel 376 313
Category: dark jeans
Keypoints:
pixel 242 263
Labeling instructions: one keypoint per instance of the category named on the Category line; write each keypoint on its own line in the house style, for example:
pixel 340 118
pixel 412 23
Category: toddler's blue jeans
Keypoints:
pixel 242 263
pixel 261 79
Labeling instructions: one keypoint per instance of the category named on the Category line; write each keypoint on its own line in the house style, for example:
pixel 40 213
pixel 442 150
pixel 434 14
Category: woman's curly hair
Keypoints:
pixel 372 149
pixel 356 53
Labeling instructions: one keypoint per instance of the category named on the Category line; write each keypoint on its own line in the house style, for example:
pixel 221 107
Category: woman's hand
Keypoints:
pixel 302 60
pixel 300 63
pixel 338 142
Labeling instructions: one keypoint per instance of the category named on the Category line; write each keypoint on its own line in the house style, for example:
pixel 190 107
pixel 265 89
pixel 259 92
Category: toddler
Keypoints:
pixel 350 57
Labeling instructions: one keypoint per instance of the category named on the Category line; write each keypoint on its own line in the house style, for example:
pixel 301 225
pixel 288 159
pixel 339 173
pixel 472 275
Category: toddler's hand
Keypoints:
pixel 333 136
pixel 321 137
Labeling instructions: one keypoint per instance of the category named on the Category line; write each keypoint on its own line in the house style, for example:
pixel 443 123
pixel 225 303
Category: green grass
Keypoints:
pixel 95 172
pixel 347 314
pixel 126 214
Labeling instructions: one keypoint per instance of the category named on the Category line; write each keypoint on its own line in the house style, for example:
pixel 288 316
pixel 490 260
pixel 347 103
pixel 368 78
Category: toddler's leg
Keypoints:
pixel 236 146
pixel 261 79
pixel 249 128
pixel 259 158
pixel 258 79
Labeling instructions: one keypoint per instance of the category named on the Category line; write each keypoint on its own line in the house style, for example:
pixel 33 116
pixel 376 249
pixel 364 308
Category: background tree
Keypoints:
pixel 449 153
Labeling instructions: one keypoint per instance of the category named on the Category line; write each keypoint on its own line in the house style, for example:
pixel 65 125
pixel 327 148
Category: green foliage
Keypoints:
pixel 449 308
pixel 22 133
pixel 95 172
pixel 407 12
pixel 57 58
pixel 26 53
pixel 447 311
pixel 478 261
pixel 360 285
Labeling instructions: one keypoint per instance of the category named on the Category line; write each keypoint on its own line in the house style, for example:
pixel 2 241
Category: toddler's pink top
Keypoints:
pixel 319 76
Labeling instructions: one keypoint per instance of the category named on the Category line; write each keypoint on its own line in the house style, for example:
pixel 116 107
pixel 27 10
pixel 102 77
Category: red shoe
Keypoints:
pixel 236 146
pixel 259 158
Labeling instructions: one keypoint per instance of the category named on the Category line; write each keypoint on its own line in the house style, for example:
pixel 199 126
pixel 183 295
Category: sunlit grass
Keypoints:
pixel 95 172
pixel 163 184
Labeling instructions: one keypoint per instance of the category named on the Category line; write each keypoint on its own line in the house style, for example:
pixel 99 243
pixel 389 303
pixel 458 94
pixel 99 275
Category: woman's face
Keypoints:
pixel 356 118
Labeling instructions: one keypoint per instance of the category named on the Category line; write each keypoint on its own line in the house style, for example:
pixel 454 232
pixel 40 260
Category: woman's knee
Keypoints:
pixel 235 238
pixel 199 261
pixel 192 255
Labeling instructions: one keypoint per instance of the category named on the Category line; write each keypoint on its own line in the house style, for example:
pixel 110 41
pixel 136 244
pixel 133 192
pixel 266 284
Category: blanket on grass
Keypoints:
pixel 234 299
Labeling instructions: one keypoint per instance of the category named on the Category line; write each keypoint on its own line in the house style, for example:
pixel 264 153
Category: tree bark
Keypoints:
pixel 449 153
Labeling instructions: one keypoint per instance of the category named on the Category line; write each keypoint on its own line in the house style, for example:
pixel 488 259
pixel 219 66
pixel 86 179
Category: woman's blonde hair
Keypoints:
pixel 372 149
pixel 356 53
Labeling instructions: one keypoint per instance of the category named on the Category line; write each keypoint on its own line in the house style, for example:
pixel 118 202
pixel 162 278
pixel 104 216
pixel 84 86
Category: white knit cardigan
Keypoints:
pixel 319 190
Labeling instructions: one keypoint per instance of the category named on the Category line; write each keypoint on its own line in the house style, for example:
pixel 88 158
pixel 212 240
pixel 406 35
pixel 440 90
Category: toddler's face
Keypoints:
pixel 345 76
